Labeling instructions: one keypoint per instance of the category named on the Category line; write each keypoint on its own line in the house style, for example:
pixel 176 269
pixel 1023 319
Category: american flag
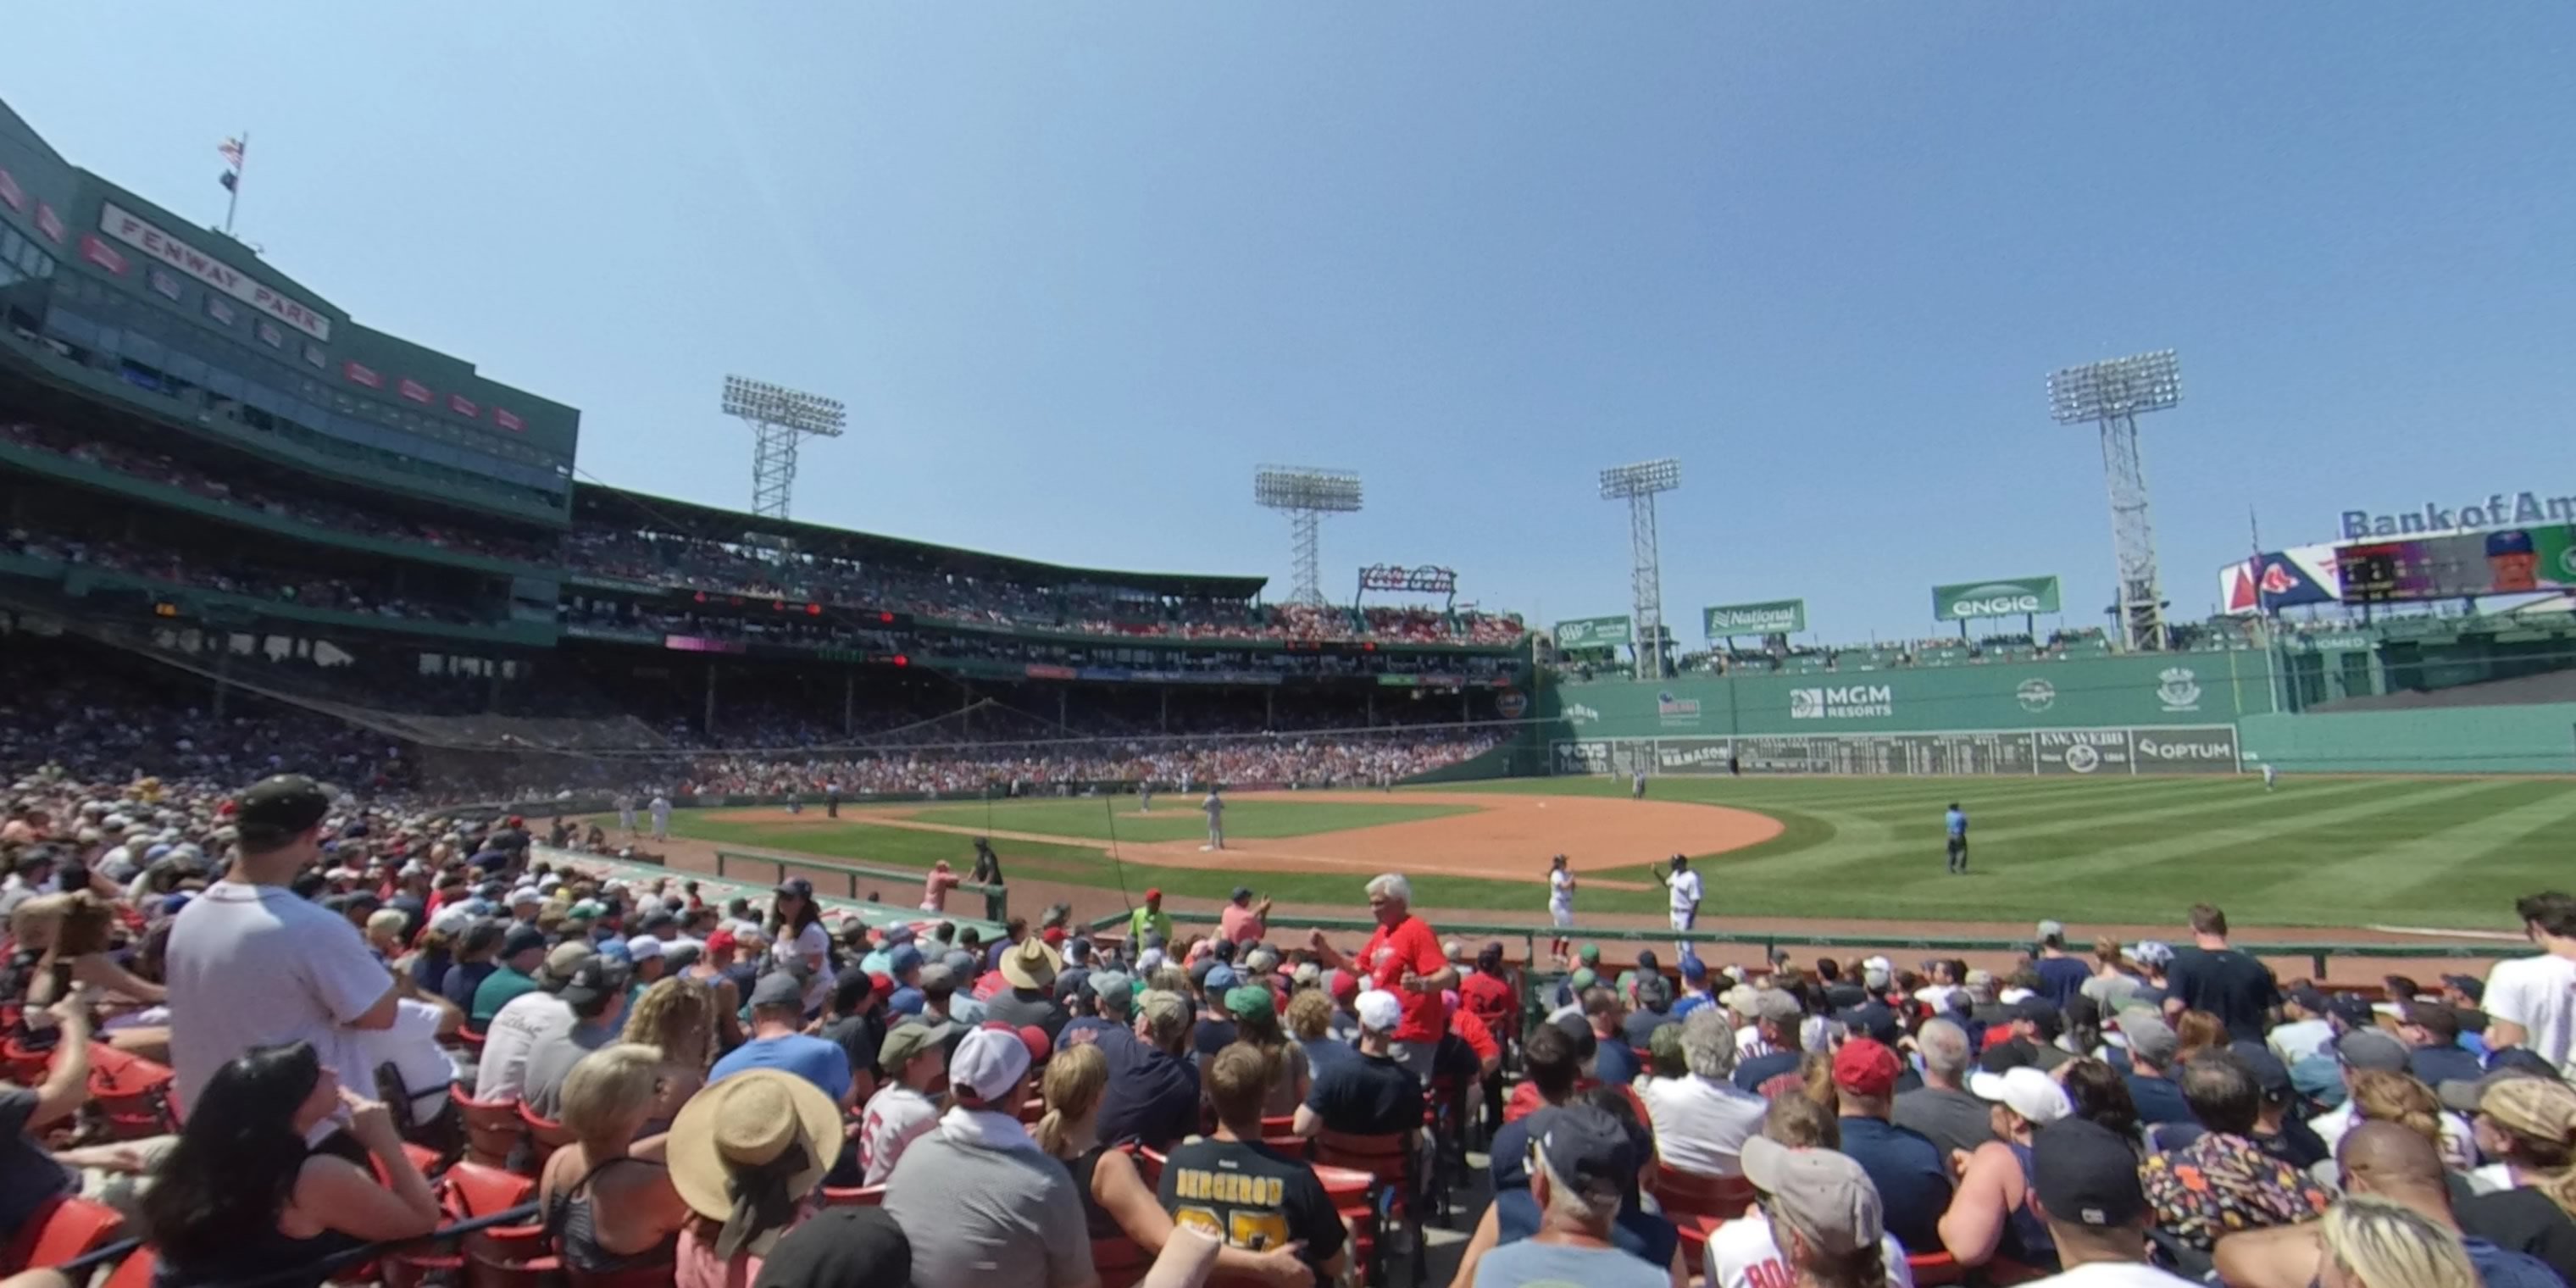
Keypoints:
pixel 232 152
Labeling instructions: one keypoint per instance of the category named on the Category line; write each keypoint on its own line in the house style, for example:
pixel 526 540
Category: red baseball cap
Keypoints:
pixel 881 985
pixel 720 941
pixel 1030 1036
pixel 1153 894
pixel 1866 1066
pixel 1053 935
pixel 1345 985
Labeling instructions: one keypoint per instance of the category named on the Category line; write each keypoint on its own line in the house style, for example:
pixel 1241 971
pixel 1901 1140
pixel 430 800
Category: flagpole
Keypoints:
pixel 233 202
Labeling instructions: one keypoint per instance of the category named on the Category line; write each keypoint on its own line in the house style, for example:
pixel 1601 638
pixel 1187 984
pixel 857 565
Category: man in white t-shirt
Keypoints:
pixel 2531 1001
pixel 1683 885
pixel 1821 1197
pixel 1703 1119
pixel 253 965
pixel 411 1047
pixel 526 1020
pixel 915 1059
pixel 1560 905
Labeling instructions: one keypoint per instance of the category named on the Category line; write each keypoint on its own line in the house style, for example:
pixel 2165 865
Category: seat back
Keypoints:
pixel 478 1190
pixel 136 1270
pixel 1386 1157
pixel 854 1196
pixel 1931 1269
pixel 1119 1262
pixel 492 1128
pixel 62 1229
pixel 1691 1194
pixel 548 1136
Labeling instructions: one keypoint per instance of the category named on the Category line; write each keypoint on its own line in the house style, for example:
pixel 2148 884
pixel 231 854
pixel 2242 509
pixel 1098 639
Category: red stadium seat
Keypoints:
pixel 1119 1262
pixel 61 1229
pixel 854 1196
pixel 545 1135
pixel 492 1128
pixel 1697 1205
pixel 136 1270
pixel 1931 1269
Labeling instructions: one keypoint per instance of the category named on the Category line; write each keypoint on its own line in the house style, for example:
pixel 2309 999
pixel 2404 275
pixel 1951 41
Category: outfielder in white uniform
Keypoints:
pixel 1560 905
pixel 626 813
pixel 1685 889
pixel 1145 797
pixel 2271 773
pixel 661 817
pixel 1215 807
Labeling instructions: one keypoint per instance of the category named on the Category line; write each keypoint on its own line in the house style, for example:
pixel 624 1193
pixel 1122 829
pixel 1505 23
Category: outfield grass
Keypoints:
pixel 2446 852
pixel 1176 818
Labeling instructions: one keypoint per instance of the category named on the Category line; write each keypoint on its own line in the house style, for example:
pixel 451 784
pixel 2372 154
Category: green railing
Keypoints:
pixel 997 897
pixel 1770 941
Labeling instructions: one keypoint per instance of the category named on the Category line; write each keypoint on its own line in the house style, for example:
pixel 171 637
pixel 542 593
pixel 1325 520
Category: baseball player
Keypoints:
pixel 1956 823
pixel 661 808
pixel 832 799
pixel 1145 797
pixel 1560 905
pixel 2271 775
pixel 1683 885
pixel 1637 785
pixel 626 812
pixel 1215 807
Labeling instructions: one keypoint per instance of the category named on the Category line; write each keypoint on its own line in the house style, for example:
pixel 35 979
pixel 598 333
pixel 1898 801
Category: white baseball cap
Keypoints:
pixel 987 1062
pixel 1380 1011
pixel 643 948
pixel 2026 1091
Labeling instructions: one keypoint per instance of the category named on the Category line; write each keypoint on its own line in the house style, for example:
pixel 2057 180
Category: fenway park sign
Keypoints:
pixel 1424 580
pixel 148 237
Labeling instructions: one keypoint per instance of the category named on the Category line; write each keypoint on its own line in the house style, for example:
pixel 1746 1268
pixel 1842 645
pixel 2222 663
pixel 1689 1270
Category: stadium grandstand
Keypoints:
pixel 331 675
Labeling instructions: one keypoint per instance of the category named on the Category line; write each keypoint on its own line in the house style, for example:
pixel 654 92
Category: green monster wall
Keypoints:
pixel 2534 739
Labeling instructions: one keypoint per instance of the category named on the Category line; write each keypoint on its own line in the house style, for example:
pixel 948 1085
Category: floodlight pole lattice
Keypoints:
pixel 1637 485
pixel 1306 496
pixel 780 418
pixel 2112 395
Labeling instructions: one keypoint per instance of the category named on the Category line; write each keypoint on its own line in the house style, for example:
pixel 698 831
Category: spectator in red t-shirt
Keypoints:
pixel 1403 958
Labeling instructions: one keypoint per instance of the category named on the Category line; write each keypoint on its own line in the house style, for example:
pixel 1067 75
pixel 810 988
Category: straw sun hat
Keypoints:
pixel 747 1150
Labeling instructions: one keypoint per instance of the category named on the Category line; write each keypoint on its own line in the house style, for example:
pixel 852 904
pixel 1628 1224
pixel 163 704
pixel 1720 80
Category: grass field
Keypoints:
pixel 1177 818
pixel 2447 852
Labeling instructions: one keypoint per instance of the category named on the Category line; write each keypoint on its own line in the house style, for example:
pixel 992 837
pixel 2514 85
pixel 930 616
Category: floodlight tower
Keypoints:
pixel 779 418
pixel 2112 395
pixel 1306 496
pixel 1637 485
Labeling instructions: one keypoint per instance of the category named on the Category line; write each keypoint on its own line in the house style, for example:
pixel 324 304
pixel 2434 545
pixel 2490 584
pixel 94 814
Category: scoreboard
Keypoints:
pixel 2162 749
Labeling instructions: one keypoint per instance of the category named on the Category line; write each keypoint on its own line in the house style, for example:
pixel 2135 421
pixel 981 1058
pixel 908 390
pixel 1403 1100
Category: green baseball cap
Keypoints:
pixel 1590 955
pixel 1250 998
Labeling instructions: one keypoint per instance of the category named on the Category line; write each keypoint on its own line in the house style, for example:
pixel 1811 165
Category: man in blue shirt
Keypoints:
pixel 778 1041
pixel 2153 1048
pixel 1913 1179
pixel 2061 976
pixel 1777 1017
pixel 2434 1054
pixel 1956 821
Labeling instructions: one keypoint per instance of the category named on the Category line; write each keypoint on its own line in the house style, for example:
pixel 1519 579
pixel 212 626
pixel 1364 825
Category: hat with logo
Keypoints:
pixel 277 808
pixel 2026 1091
pixel 1867 1067
pixel 1586 1149
pixel 1821 1193
pixel 596 979
pixel 986 1064
pixel 1380 1011
pixel 909 1039
pixel 2085 1174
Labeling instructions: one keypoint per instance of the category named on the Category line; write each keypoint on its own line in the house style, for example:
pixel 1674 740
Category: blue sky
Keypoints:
pixel 1077 268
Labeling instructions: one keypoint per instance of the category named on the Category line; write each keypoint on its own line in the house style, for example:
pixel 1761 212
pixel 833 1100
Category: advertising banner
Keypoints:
pixel 2501 561
pixel 1692 755
pixel 2083 751
pixel 2280 579
pixel 1775 617
pixel 2002 597
pixel 2086 753
pixel 1591 632
pixel 2189 750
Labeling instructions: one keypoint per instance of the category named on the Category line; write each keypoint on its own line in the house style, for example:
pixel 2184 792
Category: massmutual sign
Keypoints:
pixel 2493 510
pixel 2003 597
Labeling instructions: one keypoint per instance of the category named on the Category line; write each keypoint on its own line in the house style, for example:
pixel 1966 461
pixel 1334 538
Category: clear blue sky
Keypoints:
pixel 1076 268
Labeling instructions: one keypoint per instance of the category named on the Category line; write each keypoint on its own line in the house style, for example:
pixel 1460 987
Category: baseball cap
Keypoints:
pixel 1245 999
pixel 2525 1105
pixel 1590 955
pixel 1222 978
pixel 1242 893
pixel 565 959
pixel 522 939
pixel 778 988
pixel 2470 986
pixel 2371 1049
pixel 720 941
pixel 1866 1066
pixel 2026 1091
pixel 2085 1174
pixel 643 948
pixel 2269 1073
pixel 2354 1010
pixel 845 1247
pixel 1588 1150
pixel 1693 968
pixel 904 1041
pixel 2152 952
pixel 1584 977
pixel 987 1062
pixel 2310 999
pixel 1654 990
pixel 1153 894
pixel 279 807
pixel 1776 1004
pixel 1380 1011
pixel 2150 1037
pixel 1110 983
pixel 1821 1192
pixel 597 978
pixel 797 886
pixel 903 959
pixel 2052 929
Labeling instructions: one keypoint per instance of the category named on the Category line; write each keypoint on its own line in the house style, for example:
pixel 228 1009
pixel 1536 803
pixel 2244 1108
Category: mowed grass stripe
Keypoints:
pixel 1990 844
pixel 2020 809
pixel 2391 873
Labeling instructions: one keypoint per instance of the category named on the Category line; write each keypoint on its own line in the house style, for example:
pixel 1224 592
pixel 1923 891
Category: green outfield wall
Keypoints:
pixel 2180 689
pixel 2534 739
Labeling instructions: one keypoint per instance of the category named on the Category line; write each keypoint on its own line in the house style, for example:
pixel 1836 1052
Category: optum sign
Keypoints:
pixel 2013 597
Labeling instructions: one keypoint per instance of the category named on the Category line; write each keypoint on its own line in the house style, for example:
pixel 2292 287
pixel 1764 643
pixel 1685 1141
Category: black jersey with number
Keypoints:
pixel 1252 1196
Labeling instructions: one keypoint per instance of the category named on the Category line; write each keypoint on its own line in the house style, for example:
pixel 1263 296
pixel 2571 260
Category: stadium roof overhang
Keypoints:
pixel 593 503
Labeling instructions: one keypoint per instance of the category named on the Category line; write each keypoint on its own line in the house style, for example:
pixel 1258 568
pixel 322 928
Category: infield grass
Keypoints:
pixel 2435 852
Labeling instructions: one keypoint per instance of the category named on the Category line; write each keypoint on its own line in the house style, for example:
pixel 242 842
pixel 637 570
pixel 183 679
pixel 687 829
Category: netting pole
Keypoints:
pixel 849 704
pixel 711 700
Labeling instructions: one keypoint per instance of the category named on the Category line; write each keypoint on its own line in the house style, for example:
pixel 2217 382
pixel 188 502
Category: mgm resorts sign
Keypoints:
pixel 2496 510
pixel 1842 702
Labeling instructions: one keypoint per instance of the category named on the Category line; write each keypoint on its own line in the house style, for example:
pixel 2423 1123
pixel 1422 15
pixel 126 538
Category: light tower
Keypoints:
pixel 1637 485
pixel 2112 394
pixel 779 418
pixel 1306 496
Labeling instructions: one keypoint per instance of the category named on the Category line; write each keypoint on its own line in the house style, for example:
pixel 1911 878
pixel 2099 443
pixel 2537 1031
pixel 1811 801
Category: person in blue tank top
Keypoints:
pixel 1991 1218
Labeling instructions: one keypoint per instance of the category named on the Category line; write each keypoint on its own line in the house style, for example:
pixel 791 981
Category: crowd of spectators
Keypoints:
pixel 326 990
